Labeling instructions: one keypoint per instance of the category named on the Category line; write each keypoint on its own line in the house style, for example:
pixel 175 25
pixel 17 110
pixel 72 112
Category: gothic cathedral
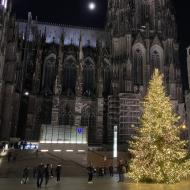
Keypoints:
pixel 62 76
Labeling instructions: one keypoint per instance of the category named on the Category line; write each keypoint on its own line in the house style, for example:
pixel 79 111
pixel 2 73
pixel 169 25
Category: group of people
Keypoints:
pixel 20 145
pixel 42 173
pixel 99 171
pixel 102 171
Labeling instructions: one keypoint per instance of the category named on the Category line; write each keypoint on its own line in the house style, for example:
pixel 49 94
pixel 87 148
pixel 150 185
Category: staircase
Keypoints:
pixel 28 158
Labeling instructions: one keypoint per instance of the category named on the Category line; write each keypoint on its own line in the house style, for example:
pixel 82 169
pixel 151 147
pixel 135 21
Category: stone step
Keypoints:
pixel 29 159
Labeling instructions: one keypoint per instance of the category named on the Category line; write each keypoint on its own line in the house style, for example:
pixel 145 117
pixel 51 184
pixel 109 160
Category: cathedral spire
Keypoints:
pixel 135 14
pixel 81 55
pixel 62 39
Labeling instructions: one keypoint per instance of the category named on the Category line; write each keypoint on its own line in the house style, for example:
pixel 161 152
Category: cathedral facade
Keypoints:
pixel 64 76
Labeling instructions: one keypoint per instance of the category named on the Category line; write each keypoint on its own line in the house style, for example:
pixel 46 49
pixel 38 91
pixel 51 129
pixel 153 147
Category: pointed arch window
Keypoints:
pixel 67 117
pixel 88 119
pixel 157 5
pixel 88 78
pixel 172 75
pixel 106 80
pixel 49 74
pixel 129 71
pixel 138 67
pixel 155 60
pixel 69 77
pixel 84 120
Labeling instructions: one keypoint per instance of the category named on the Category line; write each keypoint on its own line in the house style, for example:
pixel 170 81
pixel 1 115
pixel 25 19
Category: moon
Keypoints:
pixel 91 6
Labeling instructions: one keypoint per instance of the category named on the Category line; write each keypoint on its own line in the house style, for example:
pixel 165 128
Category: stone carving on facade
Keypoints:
pixel 58 89
pixel 49 70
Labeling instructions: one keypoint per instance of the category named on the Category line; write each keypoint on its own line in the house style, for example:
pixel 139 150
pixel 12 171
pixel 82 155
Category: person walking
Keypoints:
pixel 14 157
pixel 46 173
pixel 9 156
pixel 40 175
pixel 36 152
pixel 111 170
pixel 34 172
pixel 120 172
pixel 51 170
pixel 25 175
pixel 58 172
pixel 124 172
pixel 90 174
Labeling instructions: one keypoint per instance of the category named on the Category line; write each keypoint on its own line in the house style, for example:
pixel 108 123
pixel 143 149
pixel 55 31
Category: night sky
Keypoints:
pixel 75 12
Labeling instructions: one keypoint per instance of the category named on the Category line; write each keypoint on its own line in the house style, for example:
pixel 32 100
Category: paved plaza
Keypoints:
pixel 81 184
pixel 75 177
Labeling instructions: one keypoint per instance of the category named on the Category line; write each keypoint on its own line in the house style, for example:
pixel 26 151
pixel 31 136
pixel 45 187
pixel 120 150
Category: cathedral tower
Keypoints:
pixel 140 41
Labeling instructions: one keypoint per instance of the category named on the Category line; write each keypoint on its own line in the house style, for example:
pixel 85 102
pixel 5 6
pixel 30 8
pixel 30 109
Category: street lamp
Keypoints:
pixel 115 143
pixel 115 152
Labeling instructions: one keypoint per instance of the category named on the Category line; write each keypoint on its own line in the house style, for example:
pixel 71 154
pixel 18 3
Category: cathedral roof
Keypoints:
pixel 71 33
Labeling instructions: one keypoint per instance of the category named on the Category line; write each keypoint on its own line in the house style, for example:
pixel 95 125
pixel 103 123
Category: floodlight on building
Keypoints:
pixel 4 3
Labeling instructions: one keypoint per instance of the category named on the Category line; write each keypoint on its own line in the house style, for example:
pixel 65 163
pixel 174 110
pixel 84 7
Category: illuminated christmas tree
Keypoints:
pixel 158 153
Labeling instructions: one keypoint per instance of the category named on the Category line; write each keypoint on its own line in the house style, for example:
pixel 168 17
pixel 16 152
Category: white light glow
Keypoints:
pixel 26 93
pixel 44 150
pixel 115 143
pixel 63 142
pixel 5 5
pixel 6 147
pixel 56 150
pixel 69 150
pixel 91 6
pixel 81 151
pixel 3 153
pixel 3 2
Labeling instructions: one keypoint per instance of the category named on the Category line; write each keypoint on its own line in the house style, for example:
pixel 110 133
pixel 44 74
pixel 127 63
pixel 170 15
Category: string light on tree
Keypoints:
pixel 158 153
